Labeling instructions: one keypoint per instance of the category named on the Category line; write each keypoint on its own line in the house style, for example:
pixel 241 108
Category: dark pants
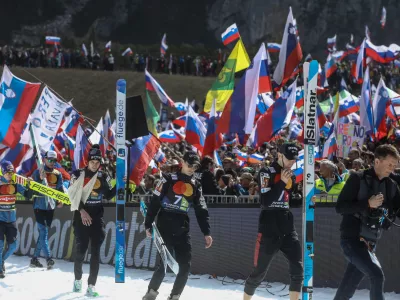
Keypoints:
pixel 8 232
pixel 182 247
pixel 96 234
pixel 44 218
pixel 265 251
pixel 361 263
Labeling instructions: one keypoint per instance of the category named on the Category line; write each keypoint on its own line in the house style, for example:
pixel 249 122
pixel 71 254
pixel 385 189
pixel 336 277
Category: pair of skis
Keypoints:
pixel 311 133
pixel 166 256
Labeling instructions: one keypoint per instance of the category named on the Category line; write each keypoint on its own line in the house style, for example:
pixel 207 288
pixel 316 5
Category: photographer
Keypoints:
pixel 366 212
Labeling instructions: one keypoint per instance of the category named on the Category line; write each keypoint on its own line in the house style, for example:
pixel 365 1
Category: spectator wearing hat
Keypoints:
pixel 44 206
pixel 8 213
pixel 228 163
pixel 242 189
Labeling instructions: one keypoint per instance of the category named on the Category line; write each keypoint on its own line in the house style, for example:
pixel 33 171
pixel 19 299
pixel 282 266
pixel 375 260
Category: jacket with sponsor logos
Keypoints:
pixel 8 196
pixel 102 190
pixel 172 199
pixel 55 181
pixel 276 199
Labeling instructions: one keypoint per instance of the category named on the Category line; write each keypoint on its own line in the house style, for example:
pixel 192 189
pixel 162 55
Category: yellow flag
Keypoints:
pixel 222 88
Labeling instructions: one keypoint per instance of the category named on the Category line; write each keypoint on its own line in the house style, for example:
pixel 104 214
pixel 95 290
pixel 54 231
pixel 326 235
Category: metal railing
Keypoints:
pixel 325 198
pixel 218 199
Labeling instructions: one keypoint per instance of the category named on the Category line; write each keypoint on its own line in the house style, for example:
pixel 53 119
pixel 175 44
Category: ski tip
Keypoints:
pixel 121 86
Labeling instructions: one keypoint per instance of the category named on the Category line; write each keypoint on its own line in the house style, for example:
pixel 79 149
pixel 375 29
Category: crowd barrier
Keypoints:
pixel 218 199
pixel 234 229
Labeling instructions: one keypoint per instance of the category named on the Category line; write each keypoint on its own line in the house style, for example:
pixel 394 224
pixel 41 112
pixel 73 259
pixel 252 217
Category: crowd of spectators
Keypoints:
pixel 50 57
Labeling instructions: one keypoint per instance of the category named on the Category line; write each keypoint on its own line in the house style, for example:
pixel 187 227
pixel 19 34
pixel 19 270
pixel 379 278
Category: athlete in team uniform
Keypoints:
pixel 44 207
pixel 8 214
pixel 276 230
pixel 88 220
pixel 173 197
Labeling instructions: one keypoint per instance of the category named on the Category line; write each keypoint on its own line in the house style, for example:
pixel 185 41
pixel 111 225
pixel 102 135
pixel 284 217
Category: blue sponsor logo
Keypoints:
pixel 121 153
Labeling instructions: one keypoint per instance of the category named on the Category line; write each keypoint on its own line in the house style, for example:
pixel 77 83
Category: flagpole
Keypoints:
pixel 37 150
pixel 87 119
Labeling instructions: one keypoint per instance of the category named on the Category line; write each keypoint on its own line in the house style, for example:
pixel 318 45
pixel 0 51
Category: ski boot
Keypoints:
pixel 50 264
pixel 174 297
pixel 150 295
pixel 35 263
pixel 77 286
pixel 91 291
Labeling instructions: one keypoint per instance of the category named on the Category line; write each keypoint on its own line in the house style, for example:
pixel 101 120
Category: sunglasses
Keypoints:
pixel 51 160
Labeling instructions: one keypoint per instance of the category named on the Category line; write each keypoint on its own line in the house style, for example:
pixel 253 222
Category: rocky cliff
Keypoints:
pixel 196 21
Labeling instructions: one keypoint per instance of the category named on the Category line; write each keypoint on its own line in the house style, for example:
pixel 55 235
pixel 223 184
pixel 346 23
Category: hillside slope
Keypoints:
pixel 94 92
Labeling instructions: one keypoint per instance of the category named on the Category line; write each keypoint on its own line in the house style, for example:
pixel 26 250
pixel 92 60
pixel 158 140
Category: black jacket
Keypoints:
pixel 102 190
pixel 172 199
pixel 276 199
pixel 208 182
pixel 353 204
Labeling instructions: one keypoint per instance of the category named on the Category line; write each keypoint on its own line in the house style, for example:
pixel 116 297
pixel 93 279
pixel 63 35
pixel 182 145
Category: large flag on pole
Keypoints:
pixel 154 86
pixel 366 119
pixel 379 105
pixel 46 118
pixel 290 54
pixel 152 117
pixel 16 99
pixel 222 88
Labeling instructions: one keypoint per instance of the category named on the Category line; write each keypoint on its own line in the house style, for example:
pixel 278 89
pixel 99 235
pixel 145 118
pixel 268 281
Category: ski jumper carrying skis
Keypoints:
pixel 89 186
pixel 44 206
pixel 276 231
pixel 171 201
pixel 8 213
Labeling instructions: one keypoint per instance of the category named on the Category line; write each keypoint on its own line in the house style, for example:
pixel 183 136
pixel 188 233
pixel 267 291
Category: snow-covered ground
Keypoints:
pixel 25 283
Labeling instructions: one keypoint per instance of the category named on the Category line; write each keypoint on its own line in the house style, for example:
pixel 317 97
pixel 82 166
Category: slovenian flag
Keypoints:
pixel 153 86
pixel 180 107
pixel 298 167
pixel 108 45
pixel 383 17
pixel 53 40
pixel 164 46
pixel 141 153
pixel 195 131
pixel 331 42
pixel 290 54
pixel 15 154
pixel 169 136
pixel 273 47
pixel 379 105
pixel 382 54
pixel 84 50
pixel 213 139
pixel 128 51
pixel 230 34
pixel 16 99
pixel 277 116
